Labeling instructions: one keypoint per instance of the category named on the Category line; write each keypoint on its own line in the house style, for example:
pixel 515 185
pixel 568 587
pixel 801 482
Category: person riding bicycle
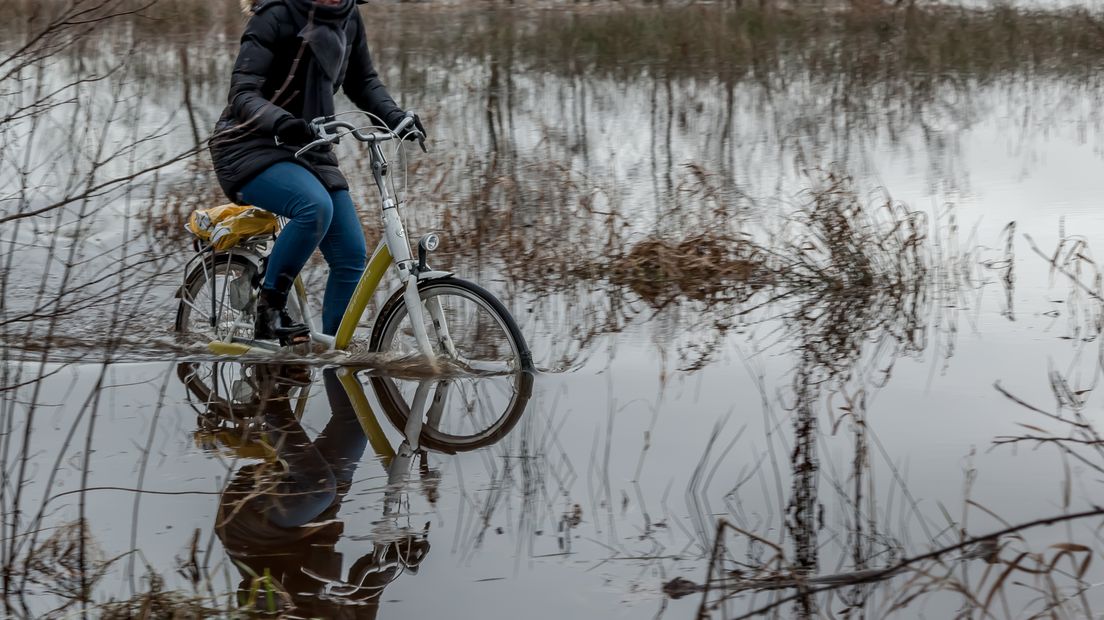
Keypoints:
pixel 294 56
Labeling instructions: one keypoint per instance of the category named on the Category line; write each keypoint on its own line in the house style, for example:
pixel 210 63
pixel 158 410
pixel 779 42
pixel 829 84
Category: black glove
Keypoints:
pixel 410 133
pixel 294 131
pixel 419 126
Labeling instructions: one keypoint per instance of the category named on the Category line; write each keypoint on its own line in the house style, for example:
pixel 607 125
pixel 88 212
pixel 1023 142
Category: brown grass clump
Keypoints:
pixel 917 45
pixel 68 563
pixel 157 603
pixel 705 266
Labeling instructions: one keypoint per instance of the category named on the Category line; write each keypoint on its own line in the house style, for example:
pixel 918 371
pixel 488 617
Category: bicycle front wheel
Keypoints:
pixel 476 406
pixel 485 337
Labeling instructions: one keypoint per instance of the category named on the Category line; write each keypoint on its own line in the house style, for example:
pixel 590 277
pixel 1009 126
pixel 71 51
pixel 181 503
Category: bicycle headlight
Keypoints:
pixel 430 242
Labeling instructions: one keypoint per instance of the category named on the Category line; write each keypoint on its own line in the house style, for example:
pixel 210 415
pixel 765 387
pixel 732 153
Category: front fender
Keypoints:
pixel 431 274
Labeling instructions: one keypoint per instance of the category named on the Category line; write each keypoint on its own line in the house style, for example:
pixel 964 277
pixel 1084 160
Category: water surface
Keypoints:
pixel 841 419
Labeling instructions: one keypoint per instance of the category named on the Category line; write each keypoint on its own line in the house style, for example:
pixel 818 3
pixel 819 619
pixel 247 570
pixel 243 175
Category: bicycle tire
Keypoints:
pixel 396 306
pixel 197 281
pixel 394 404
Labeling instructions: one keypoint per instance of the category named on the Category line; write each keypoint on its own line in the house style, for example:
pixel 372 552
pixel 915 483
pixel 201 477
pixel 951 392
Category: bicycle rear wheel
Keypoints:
pixel 217 300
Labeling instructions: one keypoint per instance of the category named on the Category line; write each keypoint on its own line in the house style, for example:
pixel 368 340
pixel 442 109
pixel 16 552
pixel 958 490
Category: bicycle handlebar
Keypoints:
pixel 327 132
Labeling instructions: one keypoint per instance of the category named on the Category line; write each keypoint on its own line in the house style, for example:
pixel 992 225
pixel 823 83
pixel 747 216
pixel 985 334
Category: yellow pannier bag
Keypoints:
pixel 224 226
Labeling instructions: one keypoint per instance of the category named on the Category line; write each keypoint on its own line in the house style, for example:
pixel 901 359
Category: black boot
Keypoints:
pixel 273 321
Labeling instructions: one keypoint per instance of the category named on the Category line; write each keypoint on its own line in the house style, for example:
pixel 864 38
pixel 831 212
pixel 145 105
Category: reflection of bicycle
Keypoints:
pixel 455 413
pixel 278 515
pixel 432 313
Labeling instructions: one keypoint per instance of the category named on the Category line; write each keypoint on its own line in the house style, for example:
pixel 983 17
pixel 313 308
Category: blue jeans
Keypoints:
pixel 318 219
pixel 319 473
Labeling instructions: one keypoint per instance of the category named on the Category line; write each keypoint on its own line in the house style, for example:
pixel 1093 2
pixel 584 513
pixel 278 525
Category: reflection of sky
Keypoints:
pixel 926 422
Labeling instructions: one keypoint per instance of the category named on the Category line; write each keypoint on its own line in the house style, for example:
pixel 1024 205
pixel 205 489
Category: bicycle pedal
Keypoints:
pixel 294 337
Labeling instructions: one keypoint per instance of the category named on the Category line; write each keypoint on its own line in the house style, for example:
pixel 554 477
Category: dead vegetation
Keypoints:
pixel 157 603
pixel 69 565
pixel 915 44
pixel 541 219
pixel 918 43
pixel 1057 573
pixel 701 267
pixel 1014 570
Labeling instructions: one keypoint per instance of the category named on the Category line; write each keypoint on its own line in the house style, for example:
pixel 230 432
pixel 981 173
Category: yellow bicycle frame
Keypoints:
pixel 365 288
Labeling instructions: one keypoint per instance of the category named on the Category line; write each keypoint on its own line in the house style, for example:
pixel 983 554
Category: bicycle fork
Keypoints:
pixel 414 312
pixel 395 236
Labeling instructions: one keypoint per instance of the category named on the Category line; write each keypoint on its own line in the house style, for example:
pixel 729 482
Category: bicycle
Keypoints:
pixel 433 313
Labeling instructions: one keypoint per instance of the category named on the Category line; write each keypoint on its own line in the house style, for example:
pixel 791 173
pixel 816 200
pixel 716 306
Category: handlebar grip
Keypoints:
pixel 407 121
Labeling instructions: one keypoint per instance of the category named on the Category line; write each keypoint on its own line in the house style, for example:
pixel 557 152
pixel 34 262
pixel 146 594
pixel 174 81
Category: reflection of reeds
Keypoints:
pixel 848 271
pixel 856 283
pixel 999 573
pixel 1016 576
pixel 861 269
pixel 848 267
pixel 1072 259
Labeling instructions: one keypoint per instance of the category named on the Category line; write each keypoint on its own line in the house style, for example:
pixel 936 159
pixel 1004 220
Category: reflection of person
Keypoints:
pixel 278 520
pixel 294 56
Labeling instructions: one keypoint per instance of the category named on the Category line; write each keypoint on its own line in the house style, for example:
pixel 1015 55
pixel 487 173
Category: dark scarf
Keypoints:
pixel 322 29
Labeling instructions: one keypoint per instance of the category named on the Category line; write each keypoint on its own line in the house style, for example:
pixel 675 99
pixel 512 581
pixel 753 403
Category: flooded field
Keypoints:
pixel 811 293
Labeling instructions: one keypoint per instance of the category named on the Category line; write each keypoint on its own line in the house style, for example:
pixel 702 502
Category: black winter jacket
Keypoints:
pixel 267 86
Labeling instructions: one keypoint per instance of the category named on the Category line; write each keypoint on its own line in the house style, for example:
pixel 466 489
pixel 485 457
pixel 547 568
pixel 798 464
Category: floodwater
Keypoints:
pixel 790 425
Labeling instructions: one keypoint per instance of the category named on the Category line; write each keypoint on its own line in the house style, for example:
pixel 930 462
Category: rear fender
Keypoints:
pixel 207 260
